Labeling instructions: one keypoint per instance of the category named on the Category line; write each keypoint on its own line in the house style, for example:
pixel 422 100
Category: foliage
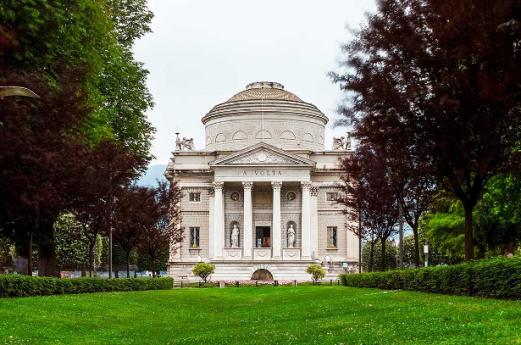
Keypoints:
pixel 369 192
pixel 20 286
pixel 72 245
pixel 498 278
pixel 283 315
pixel 165 230
pixel 97 35
pixel 391 253
pixel 203 270
pixel 498 216
pixel 316 271
pixel 42 159
pixel 443 77
pixel 6 253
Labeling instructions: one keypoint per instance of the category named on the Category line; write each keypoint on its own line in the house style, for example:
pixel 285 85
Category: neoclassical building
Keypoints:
pixel 259 199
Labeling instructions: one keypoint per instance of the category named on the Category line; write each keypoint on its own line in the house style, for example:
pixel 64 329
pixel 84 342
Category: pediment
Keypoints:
pixel 263 154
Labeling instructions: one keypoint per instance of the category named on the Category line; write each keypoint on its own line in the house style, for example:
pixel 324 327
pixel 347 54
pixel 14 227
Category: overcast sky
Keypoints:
pixel 202 52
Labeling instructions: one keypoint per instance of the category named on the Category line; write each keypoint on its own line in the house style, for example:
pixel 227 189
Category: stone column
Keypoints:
pixel 314 222
pixel 306 220
pixel 277 238
pixel 211 215
pixel 248 220
pixel 218 220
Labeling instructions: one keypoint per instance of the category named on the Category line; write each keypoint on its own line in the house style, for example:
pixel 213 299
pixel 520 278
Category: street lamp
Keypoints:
pixel 426 252
pixel 9 91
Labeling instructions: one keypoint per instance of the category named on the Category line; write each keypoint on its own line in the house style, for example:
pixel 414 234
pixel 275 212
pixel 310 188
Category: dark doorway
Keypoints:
pixel 262 236
pixel 261 274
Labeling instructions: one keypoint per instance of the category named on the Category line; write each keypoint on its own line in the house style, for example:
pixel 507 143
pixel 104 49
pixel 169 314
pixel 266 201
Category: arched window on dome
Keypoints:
pixel 239 135
pixel 219 138
pixel 287 135
pixel 263 134
pixel 308 137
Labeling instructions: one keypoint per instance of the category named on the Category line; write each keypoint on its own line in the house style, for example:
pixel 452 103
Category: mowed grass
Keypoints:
pixel 263 315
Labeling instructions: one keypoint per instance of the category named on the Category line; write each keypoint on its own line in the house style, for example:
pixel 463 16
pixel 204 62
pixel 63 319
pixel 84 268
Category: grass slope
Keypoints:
pixel 264 315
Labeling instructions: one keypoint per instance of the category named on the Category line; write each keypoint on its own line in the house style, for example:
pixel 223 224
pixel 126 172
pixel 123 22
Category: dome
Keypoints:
pixel 264 111
pixel 264 90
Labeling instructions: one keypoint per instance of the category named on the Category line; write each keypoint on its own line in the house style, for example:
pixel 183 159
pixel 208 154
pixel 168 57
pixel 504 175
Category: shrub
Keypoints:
pixel 498 278
pixel 203 270
pixel 317 272
pixel 12 285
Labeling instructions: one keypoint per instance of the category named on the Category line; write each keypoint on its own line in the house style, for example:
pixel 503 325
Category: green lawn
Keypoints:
pixel 264 315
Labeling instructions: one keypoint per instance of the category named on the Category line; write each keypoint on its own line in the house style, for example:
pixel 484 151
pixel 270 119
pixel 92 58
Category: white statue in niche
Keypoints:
pixel 291 236
pixel 235 236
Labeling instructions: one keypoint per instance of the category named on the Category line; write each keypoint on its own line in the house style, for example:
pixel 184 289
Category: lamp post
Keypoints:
pixel 426 252
pixel 9 91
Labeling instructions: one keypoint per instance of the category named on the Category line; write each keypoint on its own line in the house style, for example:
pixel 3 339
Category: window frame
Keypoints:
pixel 335 196
pixel 195 199
pixel 193 238
pixel 335 237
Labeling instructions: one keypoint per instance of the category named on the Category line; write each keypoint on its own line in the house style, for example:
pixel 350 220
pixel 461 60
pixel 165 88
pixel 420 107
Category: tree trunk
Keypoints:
pixel 416 246
pixel 91 255
pixel 383 260
pixel 128 264
pixel 46 251
pixel 30 255
pixel 371 257
pixel 469 238
pixel 21 260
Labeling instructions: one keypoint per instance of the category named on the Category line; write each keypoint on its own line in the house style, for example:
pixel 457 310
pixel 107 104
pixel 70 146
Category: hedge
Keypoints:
pixel 12 285
pixel 497 278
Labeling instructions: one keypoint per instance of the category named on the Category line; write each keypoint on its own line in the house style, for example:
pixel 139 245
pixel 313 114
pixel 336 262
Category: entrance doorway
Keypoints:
pixel 262 274
pixel 262 236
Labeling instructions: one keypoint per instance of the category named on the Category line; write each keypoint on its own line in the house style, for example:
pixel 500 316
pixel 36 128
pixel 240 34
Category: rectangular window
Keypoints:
pixel 194 196
pixel 331 196
pixel 194 237
pixel 331 237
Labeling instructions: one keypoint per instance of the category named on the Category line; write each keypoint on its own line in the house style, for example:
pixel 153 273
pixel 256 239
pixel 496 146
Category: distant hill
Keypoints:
pixel 154 173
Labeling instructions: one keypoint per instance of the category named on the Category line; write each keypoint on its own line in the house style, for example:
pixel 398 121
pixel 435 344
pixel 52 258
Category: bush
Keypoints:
pixel 20 286
pixel 317 272
pixel 203 270
pixel 498 278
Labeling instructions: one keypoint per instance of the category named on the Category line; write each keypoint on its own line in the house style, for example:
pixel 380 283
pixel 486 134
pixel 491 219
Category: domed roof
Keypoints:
pixel 267 97
pixel 264 90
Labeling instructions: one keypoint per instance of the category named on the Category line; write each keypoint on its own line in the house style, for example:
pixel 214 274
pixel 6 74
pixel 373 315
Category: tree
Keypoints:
pixel 110 168
pixel 498 215
pixel 133 215
pixel 444 76
pixel 203 270
pixel 71 243
pixel 165 231
pixel 376 262
pixel 316 271
pixel 42 150
pixel 368 188
pixel 49 35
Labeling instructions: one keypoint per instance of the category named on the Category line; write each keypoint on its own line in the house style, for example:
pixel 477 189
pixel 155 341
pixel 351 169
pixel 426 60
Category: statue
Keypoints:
pixel 291 236
pixel 185 143
pixel 342 143
pixel 235 236
pixel 339 143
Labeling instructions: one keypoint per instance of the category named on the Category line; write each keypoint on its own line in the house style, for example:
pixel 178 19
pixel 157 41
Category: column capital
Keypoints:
pixel 218 185
pixel 276 184
pixel 247 185
pixel 305 184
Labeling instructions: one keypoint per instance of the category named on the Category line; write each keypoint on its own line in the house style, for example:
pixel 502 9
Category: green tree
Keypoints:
pixel 203 270
pixel 72 247
pixel 316 271
pixel 390 256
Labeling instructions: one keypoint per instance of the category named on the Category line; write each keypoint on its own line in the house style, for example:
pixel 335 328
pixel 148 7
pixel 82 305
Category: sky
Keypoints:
pixel 202 52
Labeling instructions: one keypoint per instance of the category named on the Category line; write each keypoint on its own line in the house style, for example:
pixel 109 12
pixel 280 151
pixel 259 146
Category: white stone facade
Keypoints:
pixel 264 170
